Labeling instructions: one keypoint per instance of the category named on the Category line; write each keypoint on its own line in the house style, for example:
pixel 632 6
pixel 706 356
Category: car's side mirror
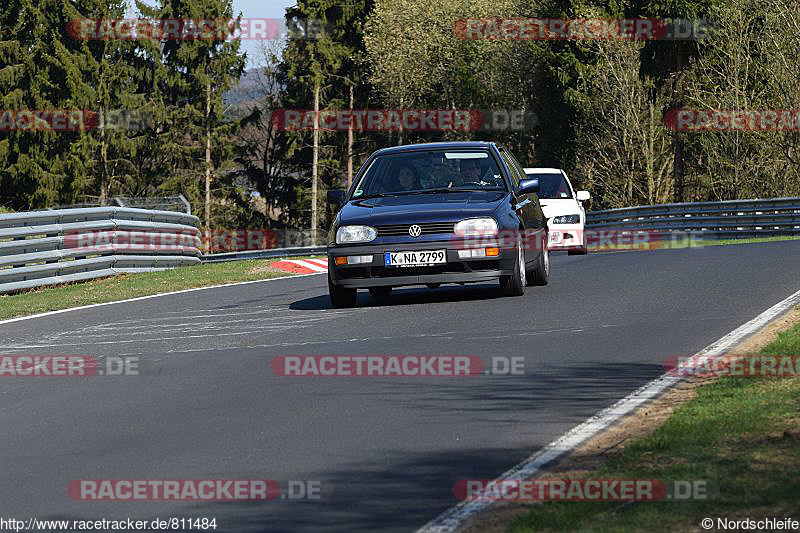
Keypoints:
pixel 336 197
pixel 583 195
pixel 528 186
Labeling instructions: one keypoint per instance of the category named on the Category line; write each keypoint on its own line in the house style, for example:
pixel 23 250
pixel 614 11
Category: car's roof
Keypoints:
pixel 542 170
pixel 453 145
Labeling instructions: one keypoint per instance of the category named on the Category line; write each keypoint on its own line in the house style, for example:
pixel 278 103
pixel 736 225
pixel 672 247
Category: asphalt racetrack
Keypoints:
pixel 206 404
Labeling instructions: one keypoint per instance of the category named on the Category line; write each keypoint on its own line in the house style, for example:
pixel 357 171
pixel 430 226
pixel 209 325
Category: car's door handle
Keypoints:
pixel 522 204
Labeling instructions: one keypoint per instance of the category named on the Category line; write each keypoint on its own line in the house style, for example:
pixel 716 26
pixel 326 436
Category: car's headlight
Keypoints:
pixel 567 219
pixel 353 234
pixel 476 226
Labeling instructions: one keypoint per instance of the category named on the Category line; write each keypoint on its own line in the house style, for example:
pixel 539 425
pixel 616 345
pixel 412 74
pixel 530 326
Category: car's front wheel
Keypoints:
pixel 583 250
pixel 341 296
pixel 514 285
pixel 541 274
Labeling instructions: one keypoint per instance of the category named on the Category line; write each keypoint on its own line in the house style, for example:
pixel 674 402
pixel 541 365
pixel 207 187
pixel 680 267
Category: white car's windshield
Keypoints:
pixel 430 171
pixel 552 186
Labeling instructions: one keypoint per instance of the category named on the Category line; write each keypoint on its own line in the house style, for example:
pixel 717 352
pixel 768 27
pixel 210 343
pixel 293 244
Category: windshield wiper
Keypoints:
pixel 444 190
pixel 405 193
pixel 376 195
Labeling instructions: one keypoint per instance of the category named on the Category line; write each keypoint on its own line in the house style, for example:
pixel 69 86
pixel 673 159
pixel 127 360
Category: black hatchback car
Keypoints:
pixel 428 214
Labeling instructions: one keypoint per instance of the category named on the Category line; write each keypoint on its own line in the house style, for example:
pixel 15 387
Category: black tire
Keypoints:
pixel 380 292
pixel 433 285
pixel 541 274
pixel 514 285
pixel 341 297
pixel 583 250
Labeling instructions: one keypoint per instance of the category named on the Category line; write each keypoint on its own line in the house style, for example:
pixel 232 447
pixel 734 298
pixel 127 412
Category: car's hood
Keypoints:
pixel 420 208
pixel 555 208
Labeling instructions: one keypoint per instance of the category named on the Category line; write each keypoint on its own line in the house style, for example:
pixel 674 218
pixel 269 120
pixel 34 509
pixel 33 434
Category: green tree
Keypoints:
pixel 192 76
pixel 749 62
pixel 110 85
pixel 39 70
pixel 428 65
pixel 321 64
pixel 261 150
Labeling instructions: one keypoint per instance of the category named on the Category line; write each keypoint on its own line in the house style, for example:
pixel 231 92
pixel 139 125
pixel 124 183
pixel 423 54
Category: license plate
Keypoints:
pixel 555 236
pixel 416 258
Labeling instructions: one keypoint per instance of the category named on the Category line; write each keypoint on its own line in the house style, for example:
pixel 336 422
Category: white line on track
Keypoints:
pixel 321 262
pixel 458 515
pixel 50 313
pixel 308 263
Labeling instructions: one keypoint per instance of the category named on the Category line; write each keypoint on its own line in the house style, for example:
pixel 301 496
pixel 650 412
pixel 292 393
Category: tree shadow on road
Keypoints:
pixel 402 489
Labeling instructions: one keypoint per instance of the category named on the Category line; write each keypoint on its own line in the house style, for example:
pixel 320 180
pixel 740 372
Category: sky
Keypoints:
pixel 267 9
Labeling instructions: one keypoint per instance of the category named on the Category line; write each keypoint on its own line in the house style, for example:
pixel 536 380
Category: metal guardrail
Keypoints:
pixel 159 203
pixel 39 248
pixel 726 219
pixel 34 250
pixel 274 253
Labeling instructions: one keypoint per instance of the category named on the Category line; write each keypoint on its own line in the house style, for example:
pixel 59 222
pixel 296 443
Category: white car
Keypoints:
pixel 562 206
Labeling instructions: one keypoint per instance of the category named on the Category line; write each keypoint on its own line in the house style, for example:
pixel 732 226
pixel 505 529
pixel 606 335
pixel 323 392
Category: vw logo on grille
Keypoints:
pixel 415 231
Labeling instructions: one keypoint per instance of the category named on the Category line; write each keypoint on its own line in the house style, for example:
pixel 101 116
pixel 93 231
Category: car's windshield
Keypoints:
pixel 551 186
pixel 430 171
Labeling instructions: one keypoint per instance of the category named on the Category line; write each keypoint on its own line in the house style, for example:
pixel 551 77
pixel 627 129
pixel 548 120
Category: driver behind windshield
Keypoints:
pixel 470 171
pixel 407 178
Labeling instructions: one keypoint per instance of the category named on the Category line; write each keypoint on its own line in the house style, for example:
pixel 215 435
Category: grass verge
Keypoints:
pixel 739 433
pixel 668 244
pixel 134 285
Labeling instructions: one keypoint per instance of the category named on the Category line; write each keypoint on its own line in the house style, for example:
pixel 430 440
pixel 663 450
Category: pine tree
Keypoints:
pixel 194 74
pixel 39 68
pixel 319 68
pixel 111 87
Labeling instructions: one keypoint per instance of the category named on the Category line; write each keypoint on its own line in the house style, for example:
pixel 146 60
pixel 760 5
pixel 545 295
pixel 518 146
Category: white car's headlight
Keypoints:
pixel 476 226
pixel 567 219
pixel 354 234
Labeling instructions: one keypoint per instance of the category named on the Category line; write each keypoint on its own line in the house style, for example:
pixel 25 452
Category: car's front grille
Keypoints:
pixel 428 228
pixel 389 272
